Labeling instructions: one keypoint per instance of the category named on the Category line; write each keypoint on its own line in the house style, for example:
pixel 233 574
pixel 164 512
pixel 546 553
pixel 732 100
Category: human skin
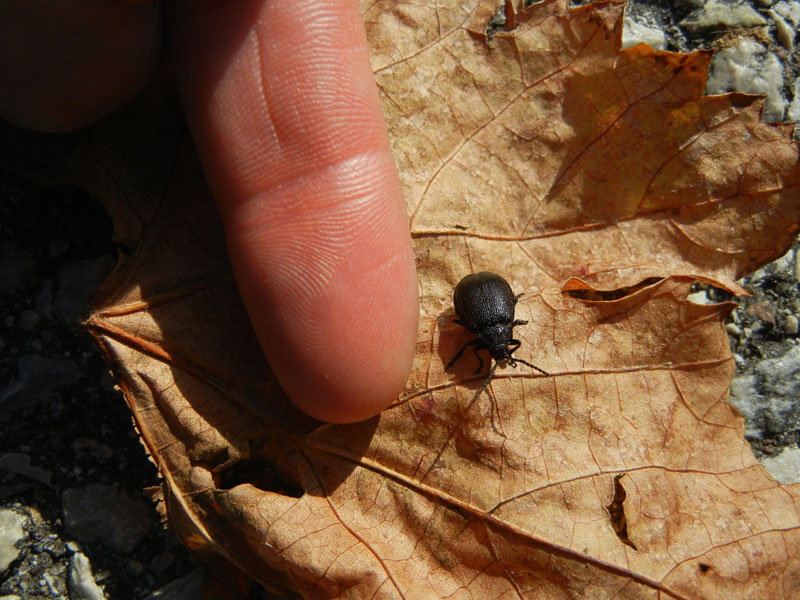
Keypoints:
pixel 285 115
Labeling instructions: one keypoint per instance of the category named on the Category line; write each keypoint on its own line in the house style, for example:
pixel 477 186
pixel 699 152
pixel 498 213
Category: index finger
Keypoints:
pixel 282 102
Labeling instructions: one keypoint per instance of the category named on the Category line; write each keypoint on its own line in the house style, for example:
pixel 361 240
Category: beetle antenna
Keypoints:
pixel 525 362
pixel 483 387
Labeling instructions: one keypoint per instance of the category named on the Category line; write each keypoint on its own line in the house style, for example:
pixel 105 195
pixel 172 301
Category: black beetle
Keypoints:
pixel 484 304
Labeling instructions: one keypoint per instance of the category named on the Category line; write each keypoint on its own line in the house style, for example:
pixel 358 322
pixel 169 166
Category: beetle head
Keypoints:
pixel 495 339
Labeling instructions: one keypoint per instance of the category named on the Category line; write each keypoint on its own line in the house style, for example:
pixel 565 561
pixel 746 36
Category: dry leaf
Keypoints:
pixel 601 184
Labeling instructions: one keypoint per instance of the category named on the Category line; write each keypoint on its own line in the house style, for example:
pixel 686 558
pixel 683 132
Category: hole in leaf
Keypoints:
pixel 577 289
pixel 740 100
pixel 616 512
pixel 496 23
pixel 705 293
pixel 704 567
pixel 218 461
pixel 503 19
pixel 261 474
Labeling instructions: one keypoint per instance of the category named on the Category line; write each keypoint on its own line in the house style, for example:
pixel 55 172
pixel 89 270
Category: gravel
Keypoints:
pixel 74 522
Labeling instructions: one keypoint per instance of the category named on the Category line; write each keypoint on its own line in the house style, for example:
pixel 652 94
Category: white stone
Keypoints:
pixel 106 513
pixel 748 67
pixel 785 467
pixel 19 463
pixel 783 30
pixel 699 297
pixel 785 263
pixel 733 329
pixel 637 32
pixel 790 11
pixel 767 397
pixel 187 587
pixel 82 585
pixel 722 14
pixel 793 114
pixel 11 532
pixel 742 396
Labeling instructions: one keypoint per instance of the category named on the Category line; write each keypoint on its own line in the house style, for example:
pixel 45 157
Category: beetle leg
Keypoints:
pixel 518 322
pixel 518 296
pixel 480 360
pixel 483 387
pixel 512 347
pixel 460 352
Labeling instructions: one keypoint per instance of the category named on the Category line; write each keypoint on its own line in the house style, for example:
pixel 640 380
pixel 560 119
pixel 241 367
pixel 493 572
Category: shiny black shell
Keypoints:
pixel 482 300
pixel 484 303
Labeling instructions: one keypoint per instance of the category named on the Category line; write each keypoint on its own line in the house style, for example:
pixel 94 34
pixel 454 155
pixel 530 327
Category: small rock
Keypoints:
pixel 11 532
pixel 784 264
pixel 733 329
pixel 722 14
pixel 81 582
pixel 748 67
pixel 134 567
pixel 790 11
pixel 77 283
pixel 19 463
pixel 783 31
pixel 161 562
pixel 38 378
pixel 785 467
pixel 699 297
pixel 636 32
pixel 744 397
pixel 790 325
pixel 762 311
pixel 188 587
pixel 793 114
pixel 106 513
pixel 52 584
pixel 767 398
pixel 797 263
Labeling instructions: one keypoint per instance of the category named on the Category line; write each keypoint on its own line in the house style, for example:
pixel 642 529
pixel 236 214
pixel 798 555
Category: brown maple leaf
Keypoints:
pixel 601 184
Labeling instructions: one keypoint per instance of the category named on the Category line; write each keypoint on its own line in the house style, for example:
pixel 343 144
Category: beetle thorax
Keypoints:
pixel 495 339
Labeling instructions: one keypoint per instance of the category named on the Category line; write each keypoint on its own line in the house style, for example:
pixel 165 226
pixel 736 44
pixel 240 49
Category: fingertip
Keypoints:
pixel 337 319
pixel 371 374
pixel 374 389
